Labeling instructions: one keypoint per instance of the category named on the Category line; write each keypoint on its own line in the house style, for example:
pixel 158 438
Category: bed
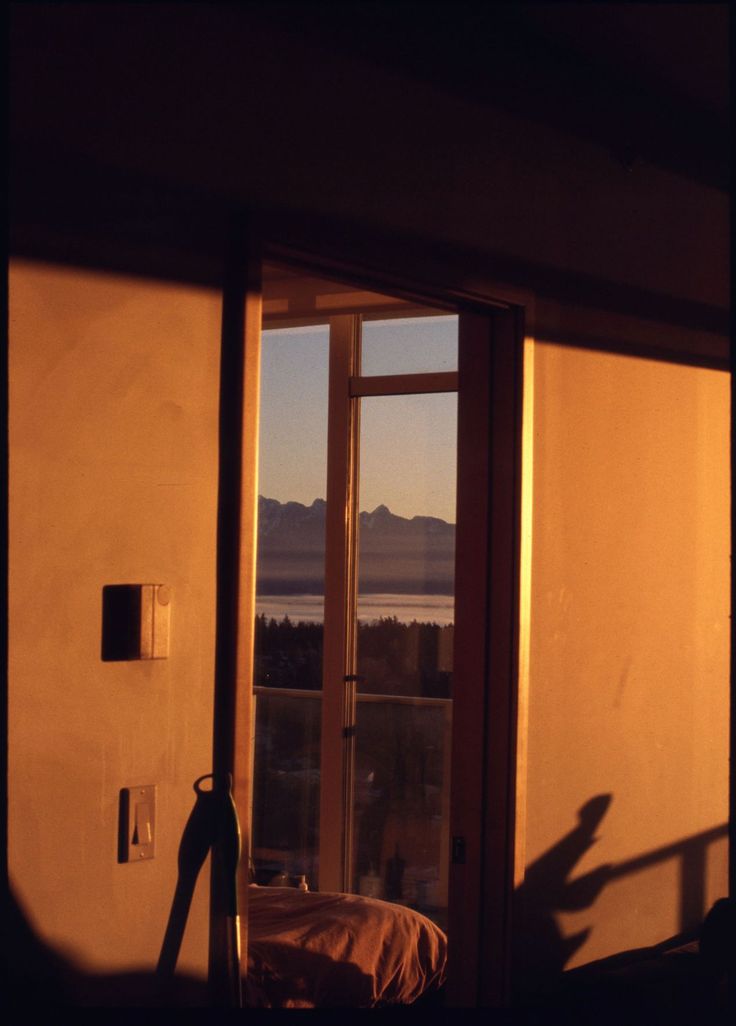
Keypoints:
pixel 315 950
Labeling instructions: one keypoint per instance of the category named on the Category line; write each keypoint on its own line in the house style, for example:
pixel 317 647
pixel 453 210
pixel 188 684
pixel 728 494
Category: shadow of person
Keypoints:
pixel 541 951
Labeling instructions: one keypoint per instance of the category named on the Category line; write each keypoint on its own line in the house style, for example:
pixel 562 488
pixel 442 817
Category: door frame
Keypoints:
pixel 488 735
pixel 486 804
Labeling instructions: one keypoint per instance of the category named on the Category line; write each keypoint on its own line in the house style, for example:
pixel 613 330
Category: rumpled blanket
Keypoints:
pixel 314 950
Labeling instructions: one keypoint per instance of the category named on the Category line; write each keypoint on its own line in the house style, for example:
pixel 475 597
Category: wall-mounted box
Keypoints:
pixel 135 621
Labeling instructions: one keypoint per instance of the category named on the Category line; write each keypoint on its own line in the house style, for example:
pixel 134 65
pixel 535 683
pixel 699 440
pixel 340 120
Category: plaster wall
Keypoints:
pixel 629 657
pixel 113 478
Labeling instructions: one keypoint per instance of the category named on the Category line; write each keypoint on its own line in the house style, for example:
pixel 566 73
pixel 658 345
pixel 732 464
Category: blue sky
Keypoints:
pixel 408 443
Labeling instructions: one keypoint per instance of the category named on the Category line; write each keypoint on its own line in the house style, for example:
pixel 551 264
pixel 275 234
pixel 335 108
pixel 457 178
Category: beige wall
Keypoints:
pixel 113 474
pixel 628 687
pixel 113 440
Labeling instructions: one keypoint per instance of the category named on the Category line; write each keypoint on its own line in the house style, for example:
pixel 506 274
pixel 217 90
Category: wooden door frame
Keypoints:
pixel 338 650
pixel 237 509
pixel 485 791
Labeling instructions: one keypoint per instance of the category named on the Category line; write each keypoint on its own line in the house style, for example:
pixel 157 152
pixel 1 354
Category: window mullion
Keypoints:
pixel 404 384
pixel 339 609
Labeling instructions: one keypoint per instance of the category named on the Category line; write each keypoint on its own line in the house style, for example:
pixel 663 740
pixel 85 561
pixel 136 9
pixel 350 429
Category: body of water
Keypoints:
pixel 438 609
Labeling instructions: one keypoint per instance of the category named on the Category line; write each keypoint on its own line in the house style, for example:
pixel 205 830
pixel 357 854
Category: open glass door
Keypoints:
pixel 355 599
pixel 363 637
pixel 398 821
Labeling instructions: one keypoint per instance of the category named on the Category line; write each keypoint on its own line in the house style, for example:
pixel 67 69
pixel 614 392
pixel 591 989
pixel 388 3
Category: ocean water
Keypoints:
pixel 438 609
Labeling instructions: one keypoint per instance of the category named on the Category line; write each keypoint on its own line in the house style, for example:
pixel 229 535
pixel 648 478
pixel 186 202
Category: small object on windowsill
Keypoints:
pixel 302 885
pixel 279 880
pixel 394 876
pixel 370 884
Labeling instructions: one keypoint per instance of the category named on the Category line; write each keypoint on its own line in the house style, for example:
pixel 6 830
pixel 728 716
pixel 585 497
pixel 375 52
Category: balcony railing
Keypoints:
pixel 400 800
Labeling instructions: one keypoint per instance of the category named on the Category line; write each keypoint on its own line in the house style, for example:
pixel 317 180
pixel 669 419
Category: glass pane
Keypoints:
pixel 405 634
pixel 289 601
pixel 402 801
pixel 291 507
pixel 411 345
pixel 286 786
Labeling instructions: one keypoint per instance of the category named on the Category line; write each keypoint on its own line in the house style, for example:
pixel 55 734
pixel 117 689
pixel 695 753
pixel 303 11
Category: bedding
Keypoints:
pixel 315 950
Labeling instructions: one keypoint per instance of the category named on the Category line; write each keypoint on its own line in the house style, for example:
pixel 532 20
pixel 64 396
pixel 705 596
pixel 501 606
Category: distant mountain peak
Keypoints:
pixel 381 511
pixel 272 512
pixel 274 516
pixel 397 554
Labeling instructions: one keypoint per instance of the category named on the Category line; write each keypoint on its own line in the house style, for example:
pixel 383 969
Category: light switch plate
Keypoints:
pixel 137 838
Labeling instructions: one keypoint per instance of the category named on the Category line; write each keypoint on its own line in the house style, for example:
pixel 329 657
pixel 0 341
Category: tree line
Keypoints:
pixel 394 658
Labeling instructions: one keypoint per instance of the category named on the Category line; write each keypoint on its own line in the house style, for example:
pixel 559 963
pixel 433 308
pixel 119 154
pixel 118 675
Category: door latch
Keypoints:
pixel 458 850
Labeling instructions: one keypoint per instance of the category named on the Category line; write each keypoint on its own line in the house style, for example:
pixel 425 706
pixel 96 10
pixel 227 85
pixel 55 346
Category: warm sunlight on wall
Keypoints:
pixel 629 657
pixel 113 435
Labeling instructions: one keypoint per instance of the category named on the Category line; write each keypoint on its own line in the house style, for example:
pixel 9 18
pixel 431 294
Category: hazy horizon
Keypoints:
pixel 407 607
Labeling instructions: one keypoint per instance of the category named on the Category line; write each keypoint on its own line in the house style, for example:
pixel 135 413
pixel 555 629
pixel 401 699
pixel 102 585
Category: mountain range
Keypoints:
pixel 398 555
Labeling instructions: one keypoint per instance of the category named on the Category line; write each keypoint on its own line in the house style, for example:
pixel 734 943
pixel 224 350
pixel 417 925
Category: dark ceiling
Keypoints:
pixel 650 81
pixel 681 49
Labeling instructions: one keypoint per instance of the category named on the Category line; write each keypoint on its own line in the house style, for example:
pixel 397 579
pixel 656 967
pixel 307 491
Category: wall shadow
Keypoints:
pixel 541 951
pixel 38 977
pixel 662 976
